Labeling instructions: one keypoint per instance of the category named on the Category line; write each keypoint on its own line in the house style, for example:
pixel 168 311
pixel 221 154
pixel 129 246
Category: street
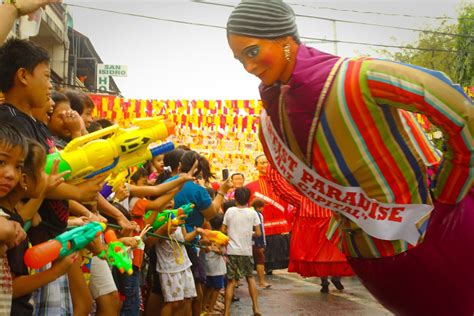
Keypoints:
pixel 294 295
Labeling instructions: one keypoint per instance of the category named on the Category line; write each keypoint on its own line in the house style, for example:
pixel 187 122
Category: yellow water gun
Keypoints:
pixel 115 182
pixel 215 236
pixel 90 155
pixel 122 178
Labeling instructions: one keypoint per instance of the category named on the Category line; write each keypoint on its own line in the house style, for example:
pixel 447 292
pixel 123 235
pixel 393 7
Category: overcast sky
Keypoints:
pixel 177 61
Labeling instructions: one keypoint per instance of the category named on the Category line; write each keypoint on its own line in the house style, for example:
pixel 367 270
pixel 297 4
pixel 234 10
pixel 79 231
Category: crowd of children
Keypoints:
pixel 184 273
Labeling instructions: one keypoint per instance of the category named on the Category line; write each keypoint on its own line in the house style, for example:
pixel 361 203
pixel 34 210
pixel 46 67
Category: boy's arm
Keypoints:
pixel 151 241
pixel 141 206
pixel 28 210
pixel 224 229
pixel 160 202
pixel 155 205
pixel 108 209
pixel 8 15
pixel 256 225
pixel 157 190
pixel 85 191
pixel 216 249
pixel 77 209
pixel 258 231
pixel 218 201
pixel 26 284
pixel 189 236
pixel 7 230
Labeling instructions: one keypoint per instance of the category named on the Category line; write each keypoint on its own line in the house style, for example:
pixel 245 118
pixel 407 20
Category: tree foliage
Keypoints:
pixel 458 64
pixel 465 46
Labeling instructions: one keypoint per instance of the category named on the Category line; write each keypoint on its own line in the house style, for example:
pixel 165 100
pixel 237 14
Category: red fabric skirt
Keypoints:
pixel 311 254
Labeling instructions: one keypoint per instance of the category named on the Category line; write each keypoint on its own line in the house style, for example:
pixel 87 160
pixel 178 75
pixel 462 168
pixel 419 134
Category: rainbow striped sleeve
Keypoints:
pixel 429 153
pixel 431 93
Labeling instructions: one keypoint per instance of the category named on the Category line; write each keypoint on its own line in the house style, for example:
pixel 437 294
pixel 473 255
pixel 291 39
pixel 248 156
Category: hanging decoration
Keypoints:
pixel 225 131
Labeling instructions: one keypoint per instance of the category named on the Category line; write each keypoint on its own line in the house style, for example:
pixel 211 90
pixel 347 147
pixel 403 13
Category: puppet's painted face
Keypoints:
pixel 263 58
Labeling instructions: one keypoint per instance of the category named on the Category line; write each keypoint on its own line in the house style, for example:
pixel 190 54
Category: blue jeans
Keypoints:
pixel 129 287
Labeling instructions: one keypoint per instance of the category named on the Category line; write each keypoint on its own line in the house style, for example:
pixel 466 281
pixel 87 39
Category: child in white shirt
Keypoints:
pixel 239 223
pixel 174 268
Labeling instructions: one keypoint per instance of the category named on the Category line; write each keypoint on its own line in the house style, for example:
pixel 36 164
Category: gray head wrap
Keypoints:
pixel 262 19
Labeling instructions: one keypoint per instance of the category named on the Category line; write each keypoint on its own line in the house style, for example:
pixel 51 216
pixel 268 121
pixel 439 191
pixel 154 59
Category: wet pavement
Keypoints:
pixel 294 295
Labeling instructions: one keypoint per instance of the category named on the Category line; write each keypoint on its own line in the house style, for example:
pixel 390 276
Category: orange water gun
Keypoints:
pixel 215 236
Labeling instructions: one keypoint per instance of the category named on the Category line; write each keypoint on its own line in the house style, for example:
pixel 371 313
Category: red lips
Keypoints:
pixel 5 187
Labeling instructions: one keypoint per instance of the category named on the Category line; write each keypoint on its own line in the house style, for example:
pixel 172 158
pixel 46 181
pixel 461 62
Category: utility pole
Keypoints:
pixel 334 35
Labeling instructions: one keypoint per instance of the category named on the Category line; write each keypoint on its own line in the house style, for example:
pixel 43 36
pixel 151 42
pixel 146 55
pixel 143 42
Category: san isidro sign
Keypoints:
pixel 104 71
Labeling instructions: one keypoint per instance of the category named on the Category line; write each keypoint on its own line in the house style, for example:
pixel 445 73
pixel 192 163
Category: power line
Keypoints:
pixel 382 13
pixel 385 26
pixel 356 22
pixel 145 16
pixel 222 27
pixel 318 40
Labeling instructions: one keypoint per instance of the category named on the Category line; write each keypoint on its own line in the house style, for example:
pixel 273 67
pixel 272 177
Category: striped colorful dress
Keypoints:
pixel 311 253
pixel 343 118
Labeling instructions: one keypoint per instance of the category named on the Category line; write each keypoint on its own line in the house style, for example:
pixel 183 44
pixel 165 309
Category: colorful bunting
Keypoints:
pixel 225 131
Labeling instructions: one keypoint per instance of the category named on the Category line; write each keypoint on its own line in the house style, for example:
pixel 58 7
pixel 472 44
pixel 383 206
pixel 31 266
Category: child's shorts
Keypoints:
pixel 177 286
pixel 239 266
pixel 215 282
pixel 101 279
pixel 258 255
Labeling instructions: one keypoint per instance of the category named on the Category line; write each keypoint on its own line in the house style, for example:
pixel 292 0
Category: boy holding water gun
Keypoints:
pixel 25 82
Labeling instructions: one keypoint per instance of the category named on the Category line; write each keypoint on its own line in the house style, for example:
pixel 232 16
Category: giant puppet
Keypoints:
pixel 333 128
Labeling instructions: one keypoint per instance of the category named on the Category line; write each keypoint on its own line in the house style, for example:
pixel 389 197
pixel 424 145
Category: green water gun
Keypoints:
pixel 116 253
pixel 63 245
pixel 163 217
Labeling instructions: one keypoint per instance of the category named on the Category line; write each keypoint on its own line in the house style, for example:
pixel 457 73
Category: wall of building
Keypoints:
pixel 53 37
